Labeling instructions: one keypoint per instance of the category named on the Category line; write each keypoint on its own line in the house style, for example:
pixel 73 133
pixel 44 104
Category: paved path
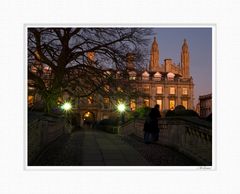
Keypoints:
pixel 90 148
pixel 97 148
pixel 159 155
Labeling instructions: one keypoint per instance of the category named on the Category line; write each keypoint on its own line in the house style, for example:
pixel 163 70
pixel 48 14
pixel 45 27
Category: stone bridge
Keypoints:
pixel 182 141
pixel 190 136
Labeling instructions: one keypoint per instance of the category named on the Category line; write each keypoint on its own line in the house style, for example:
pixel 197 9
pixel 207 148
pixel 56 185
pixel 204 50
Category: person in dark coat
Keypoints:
pixel 151 130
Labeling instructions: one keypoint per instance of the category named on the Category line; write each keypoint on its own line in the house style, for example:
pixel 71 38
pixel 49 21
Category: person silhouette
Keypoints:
pixel 151 130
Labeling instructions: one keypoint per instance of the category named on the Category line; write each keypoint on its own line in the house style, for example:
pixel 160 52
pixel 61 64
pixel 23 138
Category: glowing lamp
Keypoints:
pixel 66 106
pixel 121 107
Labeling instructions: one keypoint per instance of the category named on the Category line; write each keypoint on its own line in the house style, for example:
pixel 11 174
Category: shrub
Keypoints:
pixel 141 112
pixel 108 125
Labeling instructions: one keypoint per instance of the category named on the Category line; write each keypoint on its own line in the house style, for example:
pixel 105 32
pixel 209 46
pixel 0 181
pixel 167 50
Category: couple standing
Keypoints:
pixel 151 130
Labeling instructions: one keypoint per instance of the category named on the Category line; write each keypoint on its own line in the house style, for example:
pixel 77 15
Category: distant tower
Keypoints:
pixel 154 60
pixel 185 60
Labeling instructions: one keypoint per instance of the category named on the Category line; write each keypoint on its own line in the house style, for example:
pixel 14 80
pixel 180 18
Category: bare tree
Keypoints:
pixel 76 59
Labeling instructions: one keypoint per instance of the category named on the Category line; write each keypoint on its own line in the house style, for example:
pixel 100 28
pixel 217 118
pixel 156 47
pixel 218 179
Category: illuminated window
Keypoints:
pixel 185 103
pixel 30 100
pixel 133 105
pixel 184 91
pixel 118 75
pixel 106 88
pixel 146 89
pixel 105 116
pixel 145 75
pixel 106 102
pixel 157 76
pixel 159 102
pixel 159 90
pixel 90 100
pixel 132 75
pixel 172 104
pixel 119 89
pixel 146 102
pixel 170 76
pixel 172 90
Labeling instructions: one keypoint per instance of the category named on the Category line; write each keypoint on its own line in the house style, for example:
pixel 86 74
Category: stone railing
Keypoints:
pixel 189 136
pixel 41 132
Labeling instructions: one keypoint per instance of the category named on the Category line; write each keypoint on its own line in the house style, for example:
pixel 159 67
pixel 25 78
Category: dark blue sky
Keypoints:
pixel 199 40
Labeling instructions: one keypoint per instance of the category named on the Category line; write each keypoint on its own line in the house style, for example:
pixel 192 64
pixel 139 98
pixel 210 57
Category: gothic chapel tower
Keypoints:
pixel 154 59
pixel 185 60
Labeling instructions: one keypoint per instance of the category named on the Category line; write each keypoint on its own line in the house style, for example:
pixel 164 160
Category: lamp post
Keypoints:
pixel 66 107
pixel 121 108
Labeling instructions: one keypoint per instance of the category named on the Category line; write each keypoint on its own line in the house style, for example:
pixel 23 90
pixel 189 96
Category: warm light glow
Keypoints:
pixel 172 104
pixel 66 106
pixel 121 107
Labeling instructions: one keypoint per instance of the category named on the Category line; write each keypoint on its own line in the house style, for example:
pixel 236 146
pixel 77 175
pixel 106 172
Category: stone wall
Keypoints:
pixel 41 132
pixel 189 137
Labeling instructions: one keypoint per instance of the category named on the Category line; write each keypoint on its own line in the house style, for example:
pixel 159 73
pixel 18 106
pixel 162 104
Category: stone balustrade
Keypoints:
pixel 190 137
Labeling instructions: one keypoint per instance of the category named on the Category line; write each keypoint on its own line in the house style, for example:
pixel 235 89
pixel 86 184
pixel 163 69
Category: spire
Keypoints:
pixel 185 46
pixel 154 59
pixel 185 59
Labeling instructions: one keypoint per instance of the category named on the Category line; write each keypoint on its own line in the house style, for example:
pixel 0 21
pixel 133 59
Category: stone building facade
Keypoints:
pixel 166 84
pixel 205 102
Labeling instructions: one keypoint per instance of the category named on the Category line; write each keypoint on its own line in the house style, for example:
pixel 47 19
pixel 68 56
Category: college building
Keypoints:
pixel 168 84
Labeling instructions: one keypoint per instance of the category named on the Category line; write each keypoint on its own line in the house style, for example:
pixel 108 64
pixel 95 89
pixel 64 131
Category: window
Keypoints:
pixel 172 104
pixel 184 91
pixel 170 76
pixel 146 89
pixel 106 88
pixel 106 102
pixel 132 78
pixel 132 75
pixel 145 78
pixel 133 105
pixel 172 90
pixel 159 90
pixel 118 75
pixel 145 75
pixel 159 102
pixel 185 103
pixel 157 76
pixel 146 102
pixel 30 100
pixel 90 100
pixel 119 89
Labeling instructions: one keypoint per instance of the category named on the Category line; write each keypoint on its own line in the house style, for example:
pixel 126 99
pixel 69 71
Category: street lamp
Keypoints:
pixel 66 106
pixel 121 108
